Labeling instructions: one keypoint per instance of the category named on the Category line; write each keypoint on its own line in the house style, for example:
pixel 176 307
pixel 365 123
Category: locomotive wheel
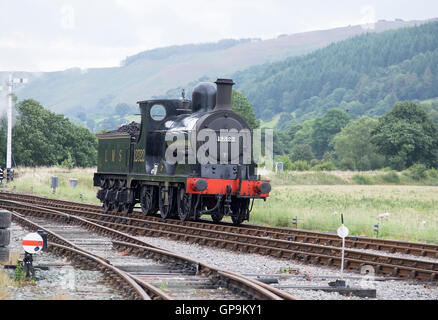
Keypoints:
pixel 118 206
pixel 167 210
pixel 107 206
pixel 128 208
pixel 237 220
pixel 147 202
pixel 240 210
pixel 217 217
pixel 219 214
pixel 103 183
pixel 111 183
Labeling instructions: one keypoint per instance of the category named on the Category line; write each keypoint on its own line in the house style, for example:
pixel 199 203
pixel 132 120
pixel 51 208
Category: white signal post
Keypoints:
pixel 9 145
pixel 10 84
pixel 342 233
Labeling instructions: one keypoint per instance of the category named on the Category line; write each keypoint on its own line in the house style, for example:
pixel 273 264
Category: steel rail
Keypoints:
pixel 296 235
pixel 403 268
pixel 355 260
pixel 278 248
pixel 238 282
pixel 86 260
pixel 258 290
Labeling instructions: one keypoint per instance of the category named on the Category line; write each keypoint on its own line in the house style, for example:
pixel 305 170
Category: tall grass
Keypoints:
pixel 5 279
pixel 38 181
pixel 383 177
pixel 413 210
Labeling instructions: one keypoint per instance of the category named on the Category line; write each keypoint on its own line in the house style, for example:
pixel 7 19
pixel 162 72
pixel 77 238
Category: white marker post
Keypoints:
pixel 342 233
pixel 33 243
pixel 10 83
pixel 9 137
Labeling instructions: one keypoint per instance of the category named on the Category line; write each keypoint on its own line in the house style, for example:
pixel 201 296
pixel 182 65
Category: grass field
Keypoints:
pixel 316 199
pixel 413 213
pixel 6 280
pixel 37 180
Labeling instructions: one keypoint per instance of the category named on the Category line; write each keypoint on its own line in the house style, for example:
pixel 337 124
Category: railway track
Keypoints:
pixel 141 270
pixel 254 239
pixel 296 235
pixel 86 260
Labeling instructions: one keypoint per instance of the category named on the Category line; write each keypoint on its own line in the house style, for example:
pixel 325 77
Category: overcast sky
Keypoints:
pixel 48 35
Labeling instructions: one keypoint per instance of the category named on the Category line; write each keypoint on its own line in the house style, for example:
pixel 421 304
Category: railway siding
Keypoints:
pixel 247 288
pixel 231 238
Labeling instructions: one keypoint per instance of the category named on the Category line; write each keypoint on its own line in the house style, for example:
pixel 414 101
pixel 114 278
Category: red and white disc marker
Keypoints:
pixel 33 243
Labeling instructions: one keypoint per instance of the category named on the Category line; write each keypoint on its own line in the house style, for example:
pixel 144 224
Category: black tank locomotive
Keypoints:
pixel 133 167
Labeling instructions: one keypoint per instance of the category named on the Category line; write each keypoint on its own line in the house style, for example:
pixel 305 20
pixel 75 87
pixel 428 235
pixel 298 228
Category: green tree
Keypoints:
pixel 242 107
pixel 353 143
pixel 293 130
pixel 301 152
pixel 365 74
pixel 287 164
pixel 406 135
pixel 304 135
pixel 43 138
pixel 325 128
pixel 281 146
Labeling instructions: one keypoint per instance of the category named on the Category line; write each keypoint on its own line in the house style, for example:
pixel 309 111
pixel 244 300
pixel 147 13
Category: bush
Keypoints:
pixel 287 164
pixel 43 138
pixel 324 166
pixel 418 171
pixel 300 166
pixel 391 177
pixel 364 164
pixel 361 179
pixel 347 164
pixel 432 173
pixel 301 152
pixel 328 157
pixel 397 162
pixel 68 163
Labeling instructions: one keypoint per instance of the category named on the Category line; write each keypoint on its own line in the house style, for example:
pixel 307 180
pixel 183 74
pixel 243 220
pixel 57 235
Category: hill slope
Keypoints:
pixel 365 75
pixel 154 72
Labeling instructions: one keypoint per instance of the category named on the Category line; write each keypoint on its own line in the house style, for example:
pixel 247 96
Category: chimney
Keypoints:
pixel 223 94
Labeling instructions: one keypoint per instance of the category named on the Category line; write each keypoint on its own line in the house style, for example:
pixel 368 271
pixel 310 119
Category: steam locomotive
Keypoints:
pixel 134 165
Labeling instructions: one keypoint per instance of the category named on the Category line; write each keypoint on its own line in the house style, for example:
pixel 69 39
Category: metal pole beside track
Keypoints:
pixel 9 141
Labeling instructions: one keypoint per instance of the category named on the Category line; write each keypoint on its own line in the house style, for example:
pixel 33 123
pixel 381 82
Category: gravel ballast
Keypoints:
pixel 243 263
pixel 60 282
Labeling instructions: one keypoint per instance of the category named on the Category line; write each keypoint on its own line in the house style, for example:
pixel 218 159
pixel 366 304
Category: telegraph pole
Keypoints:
pixel 9 145
pixel 10 84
